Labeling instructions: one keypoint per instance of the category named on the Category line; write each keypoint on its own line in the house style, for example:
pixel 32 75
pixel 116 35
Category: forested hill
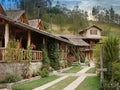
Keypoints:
pixel 61 20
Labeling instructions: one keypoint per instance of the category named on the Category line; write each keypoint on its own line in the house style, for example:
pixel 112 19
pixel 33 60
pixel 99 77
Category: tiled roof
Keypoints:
pixel 15 15
pixel 76 40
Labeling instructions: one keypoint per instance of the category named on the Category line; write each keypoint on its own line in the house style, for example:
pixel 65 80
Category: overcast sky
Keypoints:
pixel 88 4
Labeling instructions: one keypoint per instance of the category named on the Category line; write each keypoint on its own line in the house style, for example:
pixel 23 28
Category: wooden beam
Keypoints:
pixel 6 36
pixel 43 41
pixel 29 38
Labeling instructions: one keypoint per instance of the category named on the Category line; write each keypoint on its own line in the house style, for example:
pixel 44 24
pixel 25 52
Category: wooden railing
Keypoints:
pixel 35 55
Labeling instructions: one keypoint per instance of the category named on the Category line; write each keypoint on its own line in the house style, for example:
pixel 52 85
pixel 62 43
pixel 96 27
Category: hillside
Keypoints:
pixel 107 29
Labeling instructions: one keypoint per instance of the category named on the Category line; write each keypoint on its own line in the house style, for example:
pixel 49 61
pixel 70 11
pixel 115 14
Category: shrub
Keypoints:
pixel 63 64
pixel 53 53
pixel 45 66
pixel 44 72
pixel 11 78
pixel 87 63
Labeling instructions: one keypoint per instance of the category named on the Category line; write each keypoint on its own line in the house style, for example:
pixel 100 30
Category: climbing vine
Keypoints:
pixel 53 53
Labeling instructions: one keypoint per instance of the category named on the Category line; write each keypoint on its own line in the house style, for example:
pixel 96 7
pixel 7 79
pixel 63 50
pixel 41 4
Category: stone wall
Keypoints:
pixel 17 68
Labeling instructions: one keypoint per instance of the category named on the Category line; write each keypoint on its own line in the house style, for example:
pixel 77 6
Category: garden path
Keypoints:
pixel 81 76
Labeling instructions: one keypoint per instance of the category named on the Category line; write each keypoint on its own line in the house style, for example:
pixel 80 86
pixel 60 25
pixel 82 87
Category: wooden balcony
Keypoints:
pixel 35 55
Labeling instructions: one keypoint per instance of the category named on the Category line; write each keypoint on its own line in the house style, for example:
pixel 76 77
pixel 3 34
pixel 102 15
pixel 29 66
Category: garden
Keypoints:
pixel 111 61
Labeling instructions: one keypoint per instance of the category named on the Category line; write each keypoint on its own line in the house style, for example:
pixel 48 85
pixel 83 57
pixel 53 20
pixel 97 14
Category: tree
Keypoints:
pixel 95 10
pixel 112 14
pixel 37 6
pixel 110 59
pixel 111 55
pixel 77 20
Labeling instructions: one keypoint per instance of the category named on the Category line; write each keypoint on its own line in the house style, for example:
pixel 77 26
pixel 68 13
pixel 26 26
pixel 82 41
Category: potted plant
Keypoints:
pixel 29 76
pixel 62 65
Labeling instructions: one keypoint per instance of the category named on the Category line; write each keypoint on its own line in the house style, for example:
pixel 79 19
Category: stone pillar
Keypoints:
pixel 6 36
pixel 29 38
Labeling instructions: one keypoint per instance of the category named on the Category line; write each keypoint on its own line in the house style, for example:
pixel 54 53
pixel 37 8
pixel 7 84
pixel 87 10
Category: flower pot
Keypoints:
pixel 29 76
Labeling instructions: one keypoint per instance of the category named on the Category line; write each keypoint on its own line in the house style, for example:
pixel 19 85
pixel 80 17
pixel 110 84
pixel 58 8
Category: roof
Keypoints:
pixel 26 26
pixel 15 15
pixel 89 28
pixel 35 22
pixel 2 10
pixel 97 38
pixel 76 40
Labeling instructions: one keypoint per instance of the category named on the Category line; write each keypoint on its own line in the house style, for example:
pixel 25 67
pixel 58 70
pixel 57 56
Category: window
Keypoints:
pixel 93 32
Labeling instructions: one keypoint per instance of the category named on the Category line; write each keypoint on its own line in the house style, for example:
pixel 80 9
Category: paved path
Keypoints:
pixel 81 76
pixel 51 83
pixel 75 83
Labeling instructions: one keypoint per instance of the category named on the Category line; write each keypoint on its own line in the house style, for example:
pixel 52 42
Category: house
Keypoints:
pixel 78 44
pixel 91 35
pixel 15 25
pixel 26 35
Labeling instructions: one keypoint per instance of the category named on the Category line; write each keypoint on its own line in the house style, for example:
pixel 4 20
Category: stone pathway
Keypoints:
pixel 81 76
pixel 51 83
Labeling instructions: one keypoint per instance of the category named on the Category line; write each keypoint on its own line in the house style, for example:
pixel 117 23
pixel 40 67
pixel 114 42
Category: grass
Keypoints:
pixel 74 69
pixel 90 83
pixel 107 28
pixel 91 70
pixel 33 84
pixel 62 84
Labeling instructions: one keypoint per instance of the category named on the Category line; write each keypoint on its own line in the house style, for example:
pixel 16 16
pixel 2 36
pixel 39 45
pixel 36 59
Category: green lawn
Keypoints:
pixel 92 70
pixel 74 69
pixel 90 83
pixel 33 84
pixel 62 84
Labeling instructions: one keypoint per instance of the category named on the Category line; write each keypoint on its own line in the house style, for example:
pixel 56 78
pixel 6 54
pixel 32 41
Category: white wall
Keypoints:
pixel 97 35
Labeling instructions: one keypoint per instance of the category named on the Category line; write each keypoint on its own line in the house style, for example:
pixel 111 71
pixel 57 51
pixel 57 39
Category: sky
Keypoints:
pixel 83 4
pixel 88 4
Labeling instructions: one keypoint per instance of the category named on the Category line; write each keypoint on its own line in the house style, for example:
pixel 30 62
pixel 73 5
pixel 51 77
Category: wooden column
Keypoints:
pixel 6 36
pixel 29 38
pixel 43 41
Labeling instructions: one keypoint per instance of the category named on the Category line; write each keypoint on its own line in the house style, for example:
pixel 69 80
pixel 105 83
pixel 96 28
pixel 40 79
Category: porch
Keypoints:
pixel 36 55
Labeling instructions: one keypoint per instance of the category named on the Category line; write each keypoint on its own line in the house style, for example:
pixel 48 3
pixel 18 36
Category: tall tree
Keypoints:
pixel 37 6
pixel 112 14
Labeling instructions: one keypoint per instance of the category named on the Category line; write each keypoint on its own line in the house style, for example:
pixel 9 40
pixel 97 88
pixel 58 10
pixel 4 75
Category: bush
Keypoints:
pixel 45 66
pixel 87 63
pixel 63 64
pixel 53 53
pixel 11 78
pixel 44 72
